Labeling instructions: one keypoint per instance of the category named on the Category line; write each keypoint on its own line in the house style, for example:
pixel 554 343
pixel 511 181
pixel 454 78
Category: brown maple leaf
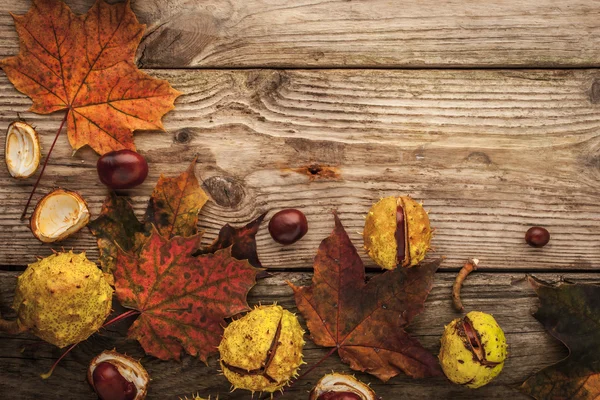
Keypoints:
pixel 85 64
pixel 183 300
pixel 172 209
pixel 570 313
pixel 241 240
pixel 366 321
pixel 175 202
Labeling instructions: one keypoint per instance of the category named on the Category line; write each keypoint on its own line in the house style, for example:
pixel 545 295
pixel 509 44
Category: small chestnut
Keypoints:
pixel 122 169
pixel 288 226
pixel 536 236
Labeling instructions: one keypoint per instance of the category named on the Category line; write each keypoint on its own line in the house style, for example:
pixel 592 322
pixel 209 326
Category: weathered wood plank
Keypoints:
pixel 345 33
pixel 506 296
pixel 489 152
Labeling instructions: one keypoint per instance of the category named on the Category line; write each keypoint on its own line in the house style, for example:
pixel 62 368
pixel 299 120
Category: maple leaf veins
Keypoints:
pixel 85 64
pixel 183 300
pixel 366 321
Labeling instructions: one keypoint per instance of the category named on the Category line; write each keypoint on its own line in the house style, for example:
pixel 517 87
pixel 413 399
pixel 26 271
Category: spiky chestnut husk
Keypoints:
pixel 340 384
pixel 381 233
pixel 473 350
pixel 262 351
pixel 197 397
pixel 63 298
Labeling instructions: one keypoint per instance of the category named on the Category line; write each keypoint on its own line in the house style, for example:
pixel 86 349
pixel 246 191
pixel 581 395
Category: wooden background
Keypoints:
pixel 487 111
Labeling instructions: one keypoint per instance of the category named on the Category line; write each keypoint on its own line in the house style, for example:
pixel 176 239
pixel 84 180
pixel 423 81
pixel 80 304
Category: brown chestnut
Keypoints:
pixel 122 169
pixel 115 376
pixel 110 384
pixel 536 236
pixel 288 226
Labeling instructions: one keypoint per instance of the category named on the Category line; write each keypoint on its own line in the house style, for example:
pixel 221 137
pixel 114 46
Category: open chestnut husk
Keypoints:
pixel 115 376
pixel 341 387
pixel 397 232
pixel 22 152
pixel 58 215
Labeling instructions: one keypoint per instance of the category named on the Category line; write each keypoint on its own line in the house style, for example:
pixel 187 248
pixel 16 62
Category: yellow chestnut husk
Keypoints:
pixel 397 232
pixel 341 384
pixel 473 350
pixel 63 299
pixel 262 351
pixel 58 215
pixel 22 151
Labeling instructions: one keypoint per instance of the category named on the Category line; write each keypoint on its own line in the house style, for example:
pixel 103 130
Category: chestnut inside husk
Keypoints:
pixel 115 376
pixel 341 387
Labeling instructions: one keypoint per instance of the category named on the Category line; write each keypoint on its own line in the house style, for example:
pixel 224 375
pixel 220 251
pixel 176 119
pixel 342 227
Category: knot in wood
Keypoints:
pixel 182 136
pixel 225 191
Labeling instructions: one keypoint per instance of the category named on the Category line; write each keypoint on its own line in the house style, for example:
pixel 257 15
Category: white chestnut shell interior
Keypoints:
pixel 342 383
pixel 22 151
pixel 59 214
pixel 129 369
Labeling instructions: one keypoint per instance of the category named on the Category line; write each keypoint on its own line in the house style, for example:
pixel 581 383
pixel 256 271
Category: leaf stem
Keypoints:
pixel 112 321
pixel 43 167
pixel 49 373
pixel 308 371
pixel 120 317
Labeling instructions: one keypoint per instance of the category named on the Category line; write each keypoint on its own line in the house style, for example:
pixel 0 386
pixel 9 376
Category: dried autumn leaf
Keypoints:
pixel 117 224
pixel 175 203
pixel 241 240
pixel 183 300
pixel 366 321
pixel 173 209
pixel 570 313
pixel 85 64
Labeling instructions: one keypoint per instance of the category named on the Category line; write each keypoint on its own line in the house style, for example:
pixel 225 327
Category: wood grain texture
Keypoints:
pixel 489 152
pixel 507 296
pixel 356 33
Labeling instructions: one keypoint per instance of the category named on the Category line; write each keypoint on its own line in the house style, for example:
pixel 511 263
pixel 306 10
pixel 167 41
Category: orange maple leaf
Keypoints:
pixel 85 64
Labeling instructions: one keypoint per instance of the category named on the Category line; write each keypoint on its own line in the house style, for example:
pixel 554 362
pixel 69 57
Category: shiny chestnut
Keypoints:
pixel 111 385
pixel 288 226
pixel 536 236
pixel 115 376
pixel 122 169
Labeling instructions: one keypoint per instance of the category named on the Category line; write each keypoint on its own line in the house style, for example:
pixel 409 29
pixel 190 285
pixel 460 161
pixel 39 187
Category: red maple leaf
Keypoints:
pixel 183 300
pixel 85 64
pixel 366 321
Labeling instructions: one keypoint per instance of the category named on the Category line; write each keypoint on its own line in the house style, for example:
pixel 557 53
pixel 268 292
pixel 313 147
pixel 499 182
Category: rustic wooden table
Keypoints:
pixel 487 111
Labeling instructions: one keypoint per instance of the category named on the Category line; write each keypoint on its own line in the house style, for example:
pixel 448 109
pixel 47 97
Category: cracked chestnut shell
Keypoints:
pixel 22 150
pixel 58 215
pixel 397 232
pixel 115 376
pixel 473 350
pixel 262 350
pixel 341 387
